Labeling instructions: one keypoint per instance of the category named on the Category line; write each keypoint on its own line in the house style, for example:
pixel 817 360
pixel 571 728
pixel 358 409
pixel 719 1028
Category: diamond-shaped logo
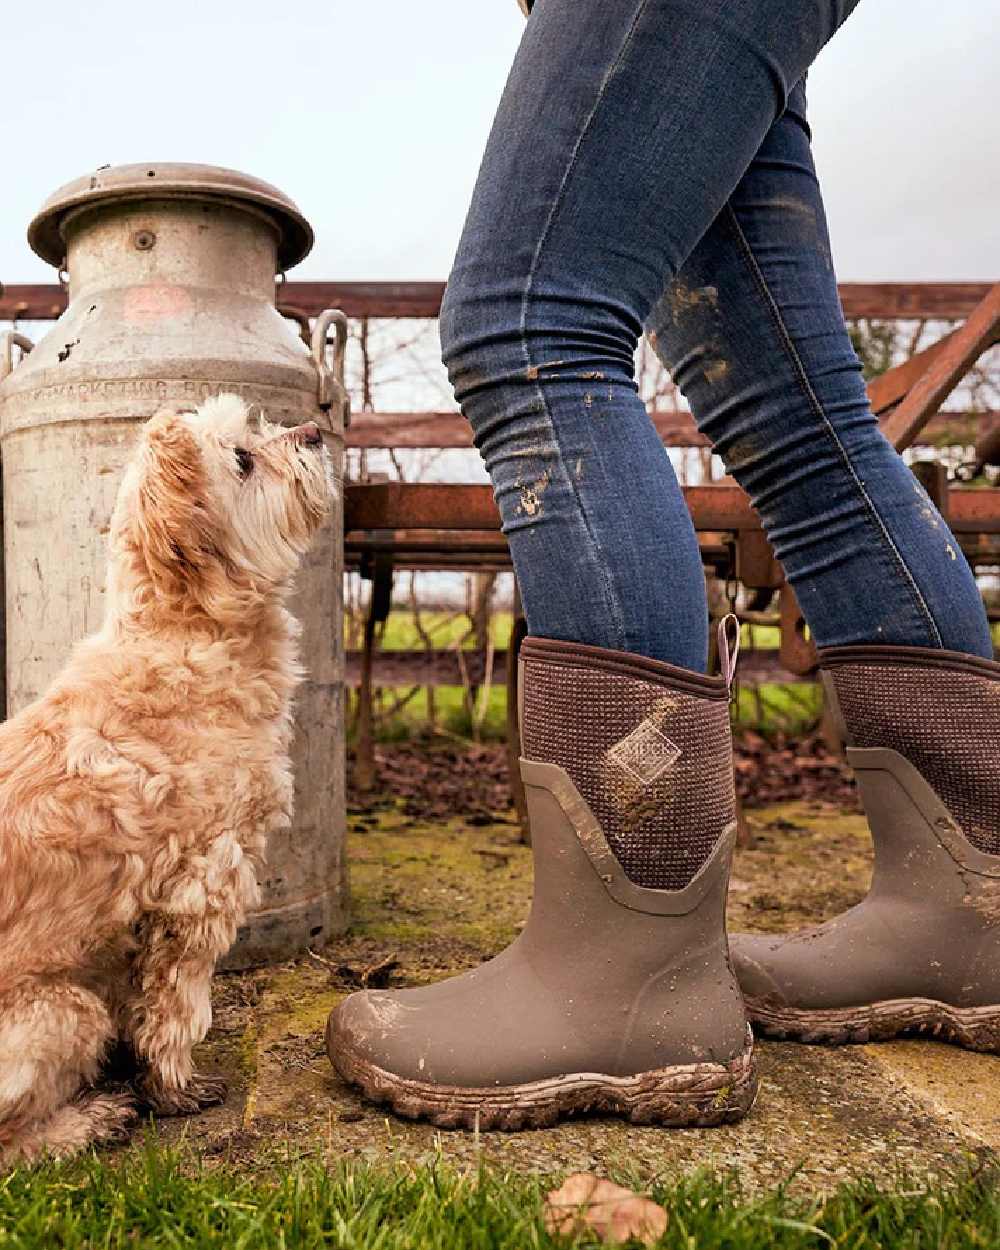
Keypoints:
pixel 645 753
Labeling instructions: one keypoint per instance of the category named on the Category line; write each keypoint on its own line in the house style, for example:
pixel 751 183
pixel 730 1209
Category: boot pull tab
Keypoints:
pixel 729 655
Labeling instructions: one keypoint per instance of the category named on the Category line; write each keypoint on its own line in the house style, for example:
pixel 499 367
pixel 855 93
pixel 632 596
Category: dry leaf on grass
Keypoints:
pixel 615 1214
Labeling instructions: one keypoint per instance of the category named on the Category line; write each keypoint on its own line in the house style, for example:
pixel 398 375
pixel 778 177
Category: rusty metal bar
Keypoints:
pixel 676 429
pixel 916 301
pixel 468 551
pixel 409 430
pixel 933 477
pixel 450 429
pixel 446 506
pixel 886 390
pixel 972 511
pixel 797 652
pixel 419 537
pixel 723 507
pixel 419 505
pixel 756 566
pixel 720 507
pixel 46 301
pixel 964 347
pixel 36 301
pixel 886 300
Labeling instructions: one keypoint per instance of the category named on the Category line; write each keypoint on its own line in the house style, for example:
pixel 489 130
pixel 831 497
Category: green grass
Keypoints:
pixel 412 720
pixel 446 628
pixel 168 1199
pixel 400 632
pixel 762 637
pixel 401 635
pixel 774 706
pixel 791 708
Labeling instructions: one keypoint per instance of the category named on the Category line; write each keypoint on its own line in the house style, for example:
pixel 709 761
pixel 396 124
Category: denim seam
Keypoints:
pixel 610 592
pixel 803 380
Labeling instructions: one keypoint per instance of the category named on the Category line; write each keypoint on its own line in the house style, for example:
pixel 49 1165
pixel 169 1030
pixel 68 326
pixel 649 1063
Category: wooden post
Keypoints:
pixel 364 749
pixel 378 611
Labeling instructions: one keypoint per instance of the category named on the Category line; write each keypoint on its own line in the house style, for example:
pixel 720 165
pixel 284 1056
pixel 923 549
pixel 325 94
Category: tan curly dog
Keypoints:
pixel 137 794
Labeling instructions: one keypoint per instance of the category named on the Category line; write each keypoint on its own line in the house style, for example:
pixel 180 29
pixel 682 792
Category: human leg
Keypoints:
pixel 623 130
pixel 753 332
pixel 622 133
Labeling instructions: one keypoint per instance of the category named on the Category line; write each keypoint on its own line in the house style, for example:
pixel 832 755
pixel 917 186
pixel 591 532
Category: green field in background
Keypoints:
pixel 790 708
pixel 772 707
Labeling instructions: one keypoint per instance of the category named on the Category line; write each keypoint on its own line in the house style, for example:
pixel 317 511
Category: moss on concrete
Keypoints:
pixel 441 899
pixel 803 862
pixel 412 884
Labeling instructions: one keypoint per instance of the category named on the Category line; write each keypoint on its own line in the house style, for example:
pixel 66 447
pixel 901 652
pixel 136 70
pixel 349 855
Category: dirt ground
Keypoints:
pixel 433 897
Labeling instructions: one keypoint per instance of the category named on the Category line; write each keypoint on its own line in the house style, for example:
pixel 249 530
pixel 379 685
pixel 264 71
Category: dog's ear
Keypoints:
pixel 172 530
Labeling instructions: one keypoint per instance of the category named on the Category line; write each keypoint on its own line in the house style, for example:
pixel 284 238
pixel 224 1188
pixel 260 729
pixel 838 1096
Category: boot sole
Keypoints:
pixel 696 1095
pixel 975 1028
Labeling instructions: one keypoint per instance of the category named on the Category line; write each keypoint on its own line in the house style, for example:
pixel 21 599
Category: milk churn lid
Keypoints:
pixel 169 180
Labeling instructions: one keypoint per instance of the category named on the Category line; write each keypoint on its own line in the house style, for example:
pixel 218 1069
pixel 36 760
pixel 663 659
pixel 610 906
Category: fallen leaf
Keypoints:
pixel 377 976
pixel 614 1213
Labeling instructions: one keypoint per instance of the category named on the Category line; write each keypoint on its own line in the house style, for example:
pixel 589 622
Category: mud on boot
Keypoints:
pixel 921 953
pixel 618 996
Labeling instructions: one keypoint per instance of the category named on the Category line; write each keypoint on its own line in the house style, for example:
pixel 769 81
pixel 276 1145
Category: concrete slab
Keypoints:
pixel 959 1087
pixel 443 899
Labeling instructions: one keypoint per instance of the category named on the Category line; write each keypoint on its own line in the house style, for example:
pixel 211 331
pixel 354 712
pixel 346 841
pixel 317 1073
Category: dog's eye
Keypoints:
pixel 244 461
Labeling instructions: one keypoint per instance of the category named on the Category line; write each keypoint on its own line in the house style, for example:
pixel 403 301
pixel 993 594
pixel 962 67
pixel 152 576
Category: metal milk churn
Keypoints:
pixel 171 271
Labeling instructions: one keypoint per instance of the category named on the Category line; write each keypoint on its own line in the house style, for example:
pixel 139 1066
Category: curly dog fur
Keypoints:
pixel 136 795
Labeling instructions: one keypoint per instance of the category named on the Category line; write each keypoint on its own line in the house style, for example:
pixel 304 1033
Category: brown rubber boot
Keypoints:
pixel 618 996
pixel 921 953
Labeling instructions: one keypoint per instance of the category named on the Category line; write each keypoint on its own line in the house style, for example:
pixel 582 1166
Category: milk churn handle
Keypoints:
pixel 332 392
pixel 11 340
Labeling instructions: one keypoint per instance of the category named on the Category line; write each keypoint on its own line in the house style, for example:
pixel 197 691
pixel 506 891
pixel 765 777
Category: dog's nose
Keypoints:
pixel 310 434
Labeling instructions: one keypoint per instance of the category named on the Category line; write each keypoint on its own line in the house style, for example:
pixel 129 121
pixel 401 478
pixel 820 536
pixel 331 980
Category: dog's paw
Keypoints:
pixel 113 1117
pixel 199 1093
pixel 208 1091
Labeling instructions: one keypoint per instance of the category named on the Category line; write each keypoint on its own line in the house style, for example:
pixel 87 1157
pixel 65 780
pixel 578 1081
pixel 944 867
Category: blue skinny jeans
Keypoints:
pixel 650 169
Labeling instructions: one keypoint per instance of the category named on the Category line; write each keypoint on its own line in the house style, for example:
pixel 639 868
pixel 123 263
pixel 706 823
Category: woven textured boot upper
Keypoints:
pixel 941 711
pixel 647 745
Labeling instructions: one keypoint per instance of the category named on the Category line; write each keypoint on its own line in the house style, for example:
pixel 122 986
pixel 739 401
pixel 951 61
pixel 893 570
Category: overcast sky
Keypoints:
pixel 372 114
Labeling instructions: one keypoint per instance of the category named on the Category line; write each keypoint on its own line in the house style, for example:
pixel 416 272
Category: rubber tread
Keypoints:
pixel 697 1095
